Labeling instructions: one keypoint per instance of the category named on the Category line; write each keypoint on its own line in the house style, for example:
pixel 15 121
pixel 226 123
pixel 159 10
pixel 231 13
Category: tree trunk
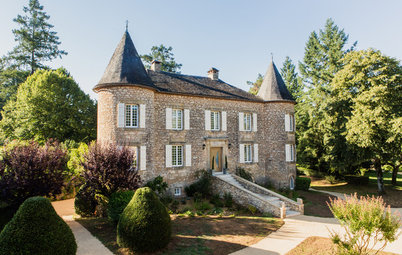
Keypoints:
pixel 380 179
pixel 395 169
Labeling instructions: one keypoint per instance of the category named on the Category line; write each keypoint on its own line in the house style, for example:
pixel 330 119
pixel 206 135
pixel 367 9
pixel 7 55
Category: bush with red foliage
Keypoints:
pixel 109 168
pixel 32 170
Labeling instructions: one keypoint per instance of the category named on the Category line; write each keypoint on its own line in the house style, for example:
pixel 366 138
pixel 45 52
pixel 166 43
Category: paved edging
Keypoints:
pixel 87 244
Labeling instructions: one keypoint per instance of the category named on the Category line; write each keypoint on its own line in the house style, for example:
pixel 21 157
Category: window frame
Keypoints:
pixel 176 119
pixel 177 158
pixel 136 160
pixel 248 153
pixel 247 119
pixel 129 117
pixel 215 119
pixel 177 194
pixel 292 122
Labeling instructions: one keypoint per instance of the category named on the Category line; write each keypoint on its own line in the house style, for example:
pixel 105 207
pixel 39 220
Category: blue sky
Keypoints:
pixel 234 36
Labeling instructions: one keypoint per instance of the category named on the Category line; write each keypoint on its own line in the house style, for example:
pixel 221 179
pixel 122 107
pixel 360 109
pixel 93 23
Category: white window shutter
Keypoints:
pixel 241 121
pixel 168 156
pixel 188 154
pixel 241 153
pixel 120 115
pixel 255 122
pixel 294 153
pixel 207 120
pixel 294 123
pixel 168 118
pixel 287 152
pixel 142 115
pixel 224 126
pixel 186 119
pixel 255 152
pixel 287 122
pixel 143 157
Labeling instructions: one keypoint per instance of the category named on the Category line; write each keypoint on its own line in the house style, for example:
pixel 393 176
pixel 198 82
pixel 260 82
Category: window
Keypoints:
pixel 177 191
pixel 247 153
pixel 177 155
pixel 131 115
pixel 247 121
pixel 177 119
pixel 215 121
pixel 289 123
pixel 292 183
pixel 135 157
pixel 290 152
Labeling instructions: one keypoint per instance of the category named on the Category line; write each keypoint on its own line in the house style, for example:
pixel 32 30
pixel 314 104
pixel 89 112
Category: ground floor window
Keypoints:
pixel 247 153
pixel 177 155
pixel 292 183
pixel 177 191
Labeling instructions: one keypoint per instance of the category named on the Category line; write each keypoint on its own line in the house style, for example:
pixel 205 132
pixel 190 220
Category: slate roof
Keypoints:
pixel 126 69
pixel 125 66
pixel 273 88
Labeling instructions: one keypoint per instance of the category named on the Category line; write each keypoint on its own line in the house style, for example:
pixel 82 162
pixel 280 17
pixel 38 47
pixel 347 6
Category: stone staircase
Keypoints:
pixel 247 193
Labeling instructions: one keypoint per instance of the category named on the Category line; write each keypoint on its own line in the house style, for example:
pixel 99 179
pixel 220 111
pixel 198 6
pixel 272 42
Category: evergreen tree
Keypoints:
pixel 289 75
pixel 255 86
pixel 163 54
pixel 317 136
pixel 36 40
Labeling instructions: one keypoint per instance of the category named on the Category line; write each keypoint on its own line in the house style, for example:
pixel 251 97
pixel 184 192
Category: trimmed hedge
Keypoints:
pixel 37 229
pixel 202 186
pixel 357 180
pixel 303 183
pixel 118 201
pixel 85 203
pixel 144 225
pixel 6 214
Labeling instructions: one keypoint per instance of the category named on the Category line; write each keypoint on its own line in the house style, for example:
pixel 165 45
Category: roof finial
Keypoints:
pixel 272 57
pixel 126 25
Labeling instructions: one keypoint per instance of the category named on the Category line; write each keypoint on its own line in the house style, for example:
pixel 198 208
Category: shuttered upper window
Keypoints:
pixel 177 155
pixel 247 153
pixel 247 121
pixel 215 121
pixel 177 119
pixel 131 114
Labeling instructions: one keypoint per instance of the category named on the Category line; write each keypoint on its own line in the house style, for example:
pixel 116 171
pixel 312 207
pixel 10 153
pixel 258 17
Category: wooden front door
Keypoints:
pixel 215 159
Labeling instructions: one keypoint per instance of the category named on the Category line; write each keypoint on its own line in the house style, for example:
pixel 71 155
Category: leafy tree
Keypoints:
pixel 289 75
pixel 49 104
pixel 370 85
pixel 255 86
pixel 10 79
pixel 36 40
pixel 316 137
pixel 165 55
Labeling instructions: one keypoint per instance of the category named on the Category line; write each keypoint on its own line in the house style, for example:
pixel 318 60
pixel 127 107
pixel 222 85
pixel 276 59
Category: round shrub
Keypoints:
pixel 144 225
pixel 37 229
pixel 85 203
pixel 303 183
pixel 117 202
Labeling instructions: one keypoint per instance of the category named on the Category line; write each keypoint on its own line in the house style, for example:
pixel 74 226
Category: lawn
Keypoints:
pixel 315 245
pixel 196 235
pixel 393 193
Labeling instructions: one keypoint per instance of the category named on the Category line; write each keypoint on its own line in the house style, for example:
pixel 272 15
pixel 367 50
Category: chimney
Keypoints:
pixel 213 74
pixel 156 65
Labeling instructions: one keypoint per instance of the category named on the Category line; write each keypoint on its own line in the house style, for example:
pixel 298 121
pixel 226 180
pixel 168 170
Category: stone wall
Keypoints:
pixel 298 207
pixel 270 136
pixel 244 197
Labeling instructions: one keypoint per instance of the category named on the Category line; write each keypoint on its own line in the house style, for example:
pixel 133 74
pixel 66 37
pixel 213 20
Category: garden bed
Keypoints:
pixel 315 245
pixel 196 235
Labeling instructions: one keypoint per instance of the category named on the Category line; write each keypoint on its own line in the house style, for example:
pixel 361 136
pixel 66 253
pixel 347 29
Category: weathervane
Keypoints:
pixel 272 57
pixel 126 25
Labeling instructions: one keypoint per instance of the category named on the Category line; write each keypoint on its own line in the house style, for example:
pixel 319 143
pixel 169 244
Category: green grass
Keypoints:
pixel 387 178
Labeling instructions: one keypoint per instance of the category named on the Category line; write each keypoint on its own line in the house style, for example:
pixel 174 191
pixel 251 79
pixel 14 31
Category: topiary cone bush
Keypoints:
pixel 37 229
pixel 144 225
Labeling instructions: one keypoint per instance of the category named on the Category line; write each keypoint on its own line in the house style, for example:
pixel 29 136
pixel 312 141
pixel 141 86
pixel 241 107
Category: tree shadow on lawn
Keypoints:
pixel 196 235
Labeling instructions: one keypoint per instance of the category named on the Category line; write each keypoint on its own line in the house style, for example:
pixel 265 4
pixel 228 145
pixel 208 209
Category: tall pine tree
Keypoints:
pixel 37 42
pixel 323 54
pixel 290 77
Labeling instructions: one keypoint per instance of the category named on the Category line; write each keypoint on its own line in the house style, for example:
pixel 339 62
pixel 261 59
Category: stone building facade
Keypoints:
pixel 178 124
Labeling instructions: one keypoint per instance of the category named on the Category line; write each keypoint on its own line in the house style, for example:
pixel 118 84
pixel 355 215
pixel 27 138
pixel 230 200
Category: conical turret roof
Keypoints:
pixel 125 66
pixel 273 88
